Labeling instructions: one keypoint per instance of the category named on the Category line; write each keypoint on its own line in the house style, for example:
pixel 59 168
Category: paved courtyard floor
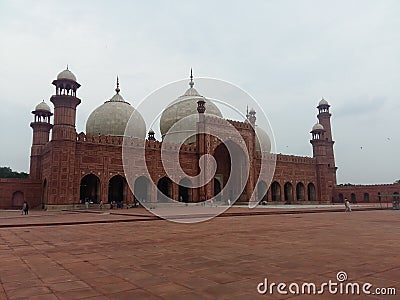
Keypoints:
pixel 129 254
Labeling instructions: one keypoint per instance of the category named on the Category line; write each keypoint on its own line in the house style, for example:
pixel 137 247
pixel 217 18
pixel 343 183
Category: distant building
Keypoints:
pixel 71 168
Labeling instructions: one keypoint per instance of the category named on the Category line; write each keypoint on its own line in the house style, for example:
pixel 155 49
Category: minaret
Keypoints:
pixel 319 153
pixel 323 152
pixel 324 117
pixel 41 131
pixel 201 140
pixel 65 103
pixel 63 142
pixel 251 116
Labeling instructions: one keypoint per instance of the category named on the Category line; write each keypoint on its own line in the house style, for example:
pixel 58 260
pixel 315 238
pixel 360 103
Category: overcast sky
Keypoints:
pixel 286 54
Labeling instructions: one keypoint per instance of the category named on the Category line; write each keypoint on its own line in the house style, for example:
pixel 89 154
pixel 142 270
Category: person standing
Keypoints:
pixel 23 208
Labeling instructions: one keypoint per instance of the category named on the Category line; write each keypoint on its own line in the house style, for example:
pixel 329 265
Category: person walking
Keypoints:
pixel 347 205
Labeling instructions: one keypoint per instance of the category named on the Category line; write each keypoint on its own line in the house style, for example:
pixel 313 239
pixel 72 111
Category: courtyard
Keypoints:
pixel 131 254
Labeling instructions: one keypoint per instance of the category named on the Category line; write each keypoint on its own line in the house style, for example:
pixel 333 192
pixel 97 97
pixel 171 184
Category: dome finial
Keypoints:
pixel 117 88
pixel 191 83
pixel 67 66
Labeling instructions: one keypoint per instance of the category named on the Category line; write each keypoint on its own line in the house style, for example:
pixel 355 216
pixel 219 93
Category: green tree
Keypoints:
pixel 397 181
pixel 6 172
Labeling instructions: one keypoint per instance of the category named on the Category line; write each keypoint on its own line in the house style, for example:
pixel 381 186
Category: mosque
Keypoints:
pixel 68 168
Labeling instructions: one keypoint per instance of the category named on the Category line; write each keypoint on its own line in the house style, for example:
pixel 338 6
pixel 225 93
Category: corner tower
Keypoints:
pixel 65 103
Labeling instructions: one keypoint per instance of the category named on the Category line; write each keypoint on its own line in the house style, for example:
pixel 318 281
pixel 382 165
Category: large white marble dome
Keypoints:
pixel 112 117
pixel 184 109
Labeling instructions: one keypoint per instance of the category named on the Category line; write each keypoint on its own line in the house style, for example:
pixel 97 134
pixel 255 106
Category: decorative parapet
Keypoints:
pixel 357 186
pixel 295 159
pixel 241 125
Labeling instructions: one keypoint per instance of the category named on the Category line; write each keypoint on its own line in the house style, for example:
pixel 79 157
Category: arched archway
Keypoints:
pixel 44 194
pixel 117 189
pixel 288 190
pixel 353 198
pixel 232 173
pixel 262 191
pixel 397 197
pixel 300 192
pixel 341 198
pixel 217 187
pixel 185 190
pixel 90 189
pixel 311 192
pixel 18 199
pixel 276 191
pixel 164 187
pixel 366 197
pixel 141 189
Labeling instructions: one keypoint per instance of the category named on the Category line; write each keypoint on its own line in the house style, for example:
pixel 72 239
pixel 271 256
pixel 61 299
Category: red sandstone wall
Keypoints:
pixel 372 190
pixel 30 189
pixel 294 169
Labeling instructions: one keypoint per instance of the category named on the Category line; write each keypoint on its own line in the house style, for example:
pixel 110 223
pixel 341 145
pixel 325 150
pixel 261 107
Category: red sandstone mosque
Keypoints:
pixel 68 168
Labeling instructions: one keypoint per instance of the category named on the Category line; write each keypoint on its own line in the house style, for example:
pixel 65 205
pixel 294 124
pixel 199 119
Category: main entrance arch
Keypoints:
pixel 233 173
pixel 117 189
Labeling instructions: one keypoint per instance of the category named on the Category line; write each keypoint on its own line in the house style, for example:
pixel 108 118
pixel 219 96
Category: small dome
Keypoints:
pixel 317 127
pixel 263 143
pixel 66 74
pixel 185 107
pixel 323 102
pixel 111 118
pixel 42 106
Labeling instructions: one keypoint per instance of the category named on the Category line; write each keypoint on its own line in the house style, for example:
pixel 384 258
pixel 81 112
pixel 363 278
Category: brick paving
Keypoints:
pixel 132 255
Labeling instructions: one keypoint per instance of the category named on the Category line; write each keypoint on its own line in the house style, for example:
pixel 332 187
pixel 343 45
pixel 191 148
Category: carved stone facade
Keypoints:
pixel 70 168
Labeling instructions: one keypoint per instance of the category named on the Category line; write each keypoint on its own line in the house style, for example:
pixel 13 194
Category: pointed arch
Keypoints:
pixel 262 189
pixel 141 189
pixel 276 191
pixel 90 188
pixel 117 189
pixel 164 189
pixel 311 192
pixel 300 191
pixel 185 190
pixel 288 191
pixel 18 199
